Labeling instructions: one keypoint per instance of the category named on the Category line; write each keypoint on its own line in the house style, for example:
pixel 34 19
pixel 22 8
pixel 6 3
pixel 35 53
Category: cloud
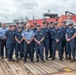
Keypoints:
pixel 16 9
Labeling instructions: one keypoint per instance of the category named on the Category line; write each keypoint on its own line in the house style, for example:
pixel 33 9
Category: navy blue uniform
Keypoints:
pixel 34 29
pixel 50 41
pixel 18 46
pixel 22 42
pixel 10 43
pixel 39 48
pixel 56 34
pixel 70 45
pixel 63 30
pixel 15 40
pixel 46 40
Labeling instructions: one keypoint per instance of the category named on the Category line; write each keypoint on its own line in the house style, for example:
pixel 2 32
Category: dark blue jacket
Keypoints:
pixel 50 32
pixel 70 32
pixel 56 34
pixel 10 37
pixel 63 31
pixel 18 35
pixel 45 32
pixel 38 36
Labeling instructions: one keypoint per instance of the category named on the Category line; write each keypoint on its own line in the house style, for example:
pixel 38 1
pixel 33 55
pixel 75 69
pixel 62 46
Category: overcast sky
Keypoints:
pixel 16 9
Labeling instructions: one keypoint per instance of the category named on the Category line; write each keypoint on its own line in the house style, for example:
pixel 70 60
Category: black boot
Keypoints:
pixel 20 58
pixel 50 56
pixel 60 59
pixel 69 58
pixel 37 60
pixel 43 60
pixel 73 60
pixel 53 58
pixel 32 60
pixel 47 58
pixel 12 60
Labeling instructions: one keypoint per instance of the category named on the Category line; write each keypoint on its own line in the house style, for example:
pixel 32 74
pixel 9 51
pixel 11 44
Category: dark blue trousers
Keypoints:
pixel 39 50
pixel 64 47
pixel 54 47
pixel 19 49
pixel 2 44
pixel 28 48
pixel 70 48
pixel 10 50
pixel 46 45
pixel 22 48
pixel 50 46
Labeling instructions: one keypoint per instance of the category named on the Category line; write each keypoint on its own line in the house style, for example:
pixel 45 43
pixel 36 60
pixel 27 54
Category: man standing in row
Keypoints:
pixel 51 27
pixel 70 38
pixel 63 30
pixel 56 41
pixel 45 30
pixel 3 29
pixel 18 45
pixel 28 43
pixel 39 38
pixel 9 36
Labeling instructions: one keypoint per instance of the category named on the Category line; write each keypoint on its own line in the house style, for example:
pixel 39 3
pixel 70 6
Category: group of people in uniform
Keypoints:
pixel 24 41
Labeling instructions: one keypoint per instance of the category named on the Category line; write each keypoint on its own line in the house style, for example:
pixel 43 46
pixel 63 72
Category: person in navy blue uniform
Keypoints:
pixel 39 37
pixel 19 39
pixel 3 29
pixel 63 30
pixel 34 29
pixel 35 26
pixel 9 36
pixel 56 41
pixel 70 38
pixel 50 37
pixel 28 36
pixel 22 29
pixel 45 30
pixel 14 29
